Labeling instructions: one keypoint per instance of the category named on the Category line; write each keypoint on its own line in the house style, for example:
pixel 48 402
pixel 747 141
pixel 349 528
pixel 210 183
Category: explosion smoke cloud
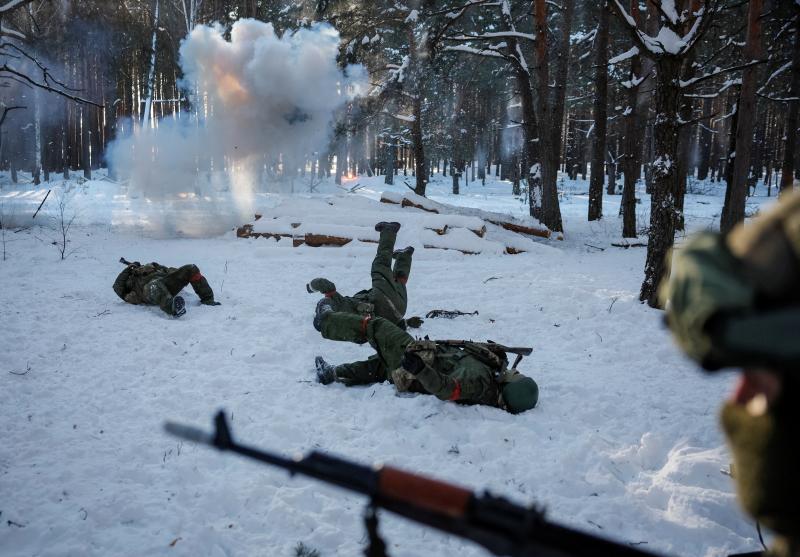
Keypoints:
pixel 260 97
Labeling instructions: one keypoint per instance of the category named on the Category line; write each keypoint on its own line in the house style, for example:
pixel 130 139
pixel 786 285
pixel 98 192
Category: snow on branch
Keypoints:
pixel 475 51
pixel 12 5
pixel 8 32
pixel 775 74
pixel 624 56
pixel 401 117
pixel 667 41
pixel 490 36
pixel 718 71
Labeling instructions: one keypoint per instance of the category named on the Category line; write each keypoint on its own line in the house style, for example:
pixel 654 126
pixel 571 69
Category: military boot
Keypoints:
pixel 408 250
pixel 178 306
pixel 324 307
pixel 326 373
pixel 390 226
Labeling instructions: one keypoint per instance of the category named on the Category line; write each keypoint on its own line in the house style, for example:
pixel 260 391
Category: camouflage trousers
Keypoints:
pixel 388 341
pixel 160 291
pixel 387 297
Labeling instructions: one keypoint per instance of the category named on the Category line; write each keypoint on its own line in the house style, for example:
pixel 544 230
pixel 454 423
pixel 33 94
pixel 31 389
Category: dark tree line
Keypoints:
pixel 668 92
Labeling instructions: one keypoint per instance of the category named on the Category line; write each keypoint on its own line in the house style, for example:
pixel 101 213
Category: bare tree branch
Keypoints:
pixel 46 87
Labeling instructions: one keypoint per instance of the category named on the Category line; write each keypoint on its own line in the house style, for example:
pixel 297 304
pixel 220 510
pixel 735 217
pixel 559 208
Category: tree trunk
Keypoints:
pixel 632 142
pixel 152 71
pixel 733 211
pixel 704 153
pixel 562 72
pixel 420 169
pixel 600 116
pixel 790 132
pixel 548 210
pixel 390 157
pixel 662 200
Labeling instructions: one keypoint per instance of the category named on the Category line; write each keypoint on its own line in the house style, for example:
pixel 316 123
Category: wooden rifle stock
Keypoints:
pixel 499 525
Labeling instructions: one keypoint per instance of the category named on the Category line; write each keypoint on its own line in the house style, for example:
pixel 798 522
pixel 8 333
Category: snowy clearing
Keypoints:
pixel 624 442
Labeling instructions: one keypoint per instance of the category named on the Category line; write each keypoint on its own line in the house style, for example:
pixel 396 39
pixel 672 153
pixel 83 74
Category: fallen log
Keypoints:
pixel 465 252
pixel 520 229
pixel 410 200
pixel 408 203
pixel 319 240
pixel 627 245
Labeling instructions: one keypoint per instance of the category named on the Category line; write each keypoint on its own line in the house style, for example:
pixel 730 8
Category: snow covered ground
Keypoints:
pixel 624 442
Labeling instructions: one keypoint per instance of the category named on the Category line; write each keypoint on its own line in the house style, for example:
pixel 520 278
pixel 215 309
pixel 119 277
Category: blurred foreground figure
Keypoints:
pixel 155 284
pixel 735 302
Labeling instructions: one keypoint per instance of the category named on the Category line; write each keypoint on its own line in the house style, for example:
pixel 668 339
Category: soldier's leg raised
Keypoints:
pixel 382 264
pixel 179 278
pixel 402 264
pixel 388 295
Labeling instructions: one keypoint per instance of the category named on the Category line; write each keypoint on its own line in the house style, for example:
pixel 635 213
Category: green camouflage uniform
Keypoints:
pixel 388 297
pixel 449 373
pixel 154 284
pixel 735 302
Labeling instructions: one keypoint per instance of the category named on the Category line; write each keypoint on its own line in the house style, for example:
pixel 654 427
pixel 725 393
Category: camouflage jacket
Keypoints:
pixel 130 283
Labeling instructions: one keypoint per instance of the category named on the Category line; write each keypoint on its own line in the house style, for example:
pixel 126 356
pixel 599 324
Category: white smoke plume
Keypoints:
pixel 260 98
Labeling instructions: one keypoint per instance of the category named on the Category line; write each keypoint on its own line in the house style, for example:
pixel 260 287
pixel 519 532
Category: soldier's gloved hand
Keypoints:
pixel 322 285
pixel 414 322
pixel 412 363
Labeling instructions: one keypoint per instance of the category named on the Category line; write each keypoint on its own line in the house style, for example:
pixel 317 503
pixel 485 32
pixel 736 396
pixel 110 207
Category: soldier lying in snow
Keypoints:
pixel 471 375
pixel 388 297
pixel 154 284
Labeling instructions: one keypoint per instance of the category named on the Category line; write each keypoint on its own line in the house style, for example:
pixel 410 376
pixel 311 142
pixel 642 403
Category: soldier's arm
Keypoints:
pixel 120 285
pixel 458 386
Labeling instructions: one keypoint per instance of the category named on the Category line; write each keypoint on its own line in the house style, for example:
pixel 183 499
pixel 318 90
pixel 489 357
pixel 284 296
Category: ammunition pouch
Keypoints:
pixel 402 380
pixel 365 308
pixel 142 270
pixel 154 292
pixel 425 349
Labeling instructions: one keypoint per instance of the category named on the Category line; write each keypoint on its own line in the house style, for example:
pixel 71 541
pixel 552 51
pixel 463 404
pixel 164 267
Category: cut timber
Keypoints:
pixel 409 203
pixel 465 252
pixel 520 229
pixel 246 231
pixel 318 240
pixel 627 245
pixel 530 227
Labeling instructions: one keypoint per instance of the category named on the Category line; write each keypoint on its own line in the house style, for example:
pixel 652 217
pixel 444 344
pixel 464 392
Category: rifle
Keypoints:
pixel 126 262
pixel 448 313
pixel 502 527
pixel 499 349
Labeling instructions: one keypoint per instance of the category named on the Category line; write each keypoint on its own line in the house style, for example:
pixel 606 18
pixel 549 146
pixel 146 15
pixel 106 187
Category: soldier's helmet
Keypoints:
pixel 520 394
